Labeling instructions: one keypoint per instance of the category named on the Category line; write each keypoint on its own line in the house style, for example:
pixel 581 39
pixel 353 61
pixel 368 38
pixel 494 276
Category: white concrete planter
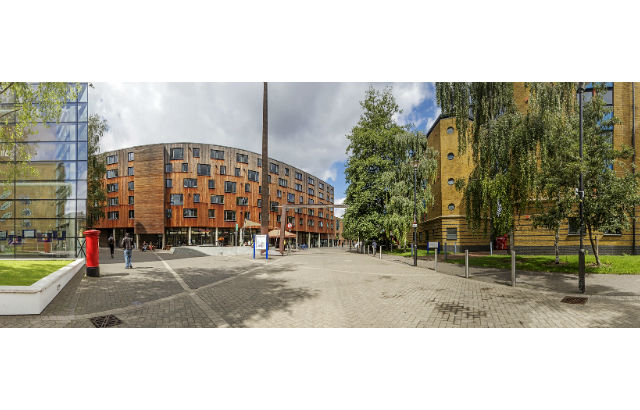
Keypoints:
pixel 31 300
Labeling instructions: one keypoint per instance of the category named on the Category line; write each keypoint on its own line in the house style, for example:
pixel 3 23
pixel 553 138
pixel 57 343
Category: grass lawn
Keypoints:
pixel 625 264
pixel 25 273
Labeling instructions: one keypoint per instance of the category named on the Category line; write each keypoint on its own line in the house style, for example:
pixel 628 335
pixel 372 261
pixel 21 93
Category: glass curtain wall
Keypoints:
pixel 42 212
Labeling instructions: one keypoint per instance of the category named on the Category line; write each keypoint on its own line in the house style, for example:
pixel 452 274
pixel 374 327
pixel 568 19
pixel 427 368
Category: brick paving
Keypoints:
pixel 324 287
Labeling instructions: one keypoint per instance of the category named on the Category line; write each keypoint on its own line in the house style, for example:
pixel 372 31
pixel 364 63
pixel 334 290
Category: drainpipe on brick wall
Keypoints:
pixel 633 169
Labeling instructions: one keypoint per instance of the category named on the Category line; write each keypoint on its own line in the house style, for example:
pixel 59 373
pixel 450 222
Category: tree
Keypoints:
pixel 23 106
pixel 610 190
pixel 96 169
pixel 504 143
pixel 379 172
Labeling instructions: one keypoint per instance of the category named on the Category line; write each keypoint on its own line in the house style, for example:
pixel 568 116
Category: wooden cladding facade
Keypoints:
pixel 153 207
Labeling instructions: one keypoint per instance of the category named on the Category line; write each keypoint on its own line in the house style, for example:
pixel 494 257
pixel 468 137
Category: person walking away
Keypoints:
pixel 127 244
pixel 112 244
pixel 374 245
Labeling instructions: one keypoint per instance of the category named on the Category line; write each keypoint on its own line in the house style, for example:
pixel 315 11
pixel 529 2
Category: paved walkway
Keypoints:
pixel 325 287
pixel 597 284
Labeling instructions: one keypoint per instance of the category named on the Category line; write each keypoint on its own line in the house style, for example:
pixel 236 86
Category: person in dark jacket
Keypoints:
pixel 112 245
pixel 127 245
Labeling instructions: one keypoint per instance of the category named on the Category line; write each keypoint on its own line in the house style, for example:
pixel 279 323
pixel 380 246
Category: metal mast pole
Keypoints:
pixel 415 216
pixel 264 223
pixel 581 255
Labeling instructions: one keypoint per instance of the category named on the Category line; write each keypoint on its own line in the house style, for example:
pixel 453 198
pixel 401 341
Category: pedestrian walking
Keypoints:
pixel 127 245
pixel 112 244
pixel 374 245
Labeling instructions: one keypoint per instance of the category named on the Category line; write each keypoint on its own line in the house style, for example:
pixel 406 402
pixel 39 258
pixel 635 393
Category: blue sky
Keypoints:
pixel 308 122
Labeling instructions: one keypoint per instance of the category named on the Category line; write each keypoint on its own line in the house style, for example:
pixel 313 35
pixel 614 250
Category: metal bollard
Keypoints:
pixel 466 263
pixel 435 266
pixel 380 251
pixel 513 268
pixel 491 248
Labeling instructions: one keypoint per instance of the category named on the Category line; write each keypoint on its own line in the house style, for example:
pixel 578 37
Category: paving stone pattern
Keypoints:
pixel 325 287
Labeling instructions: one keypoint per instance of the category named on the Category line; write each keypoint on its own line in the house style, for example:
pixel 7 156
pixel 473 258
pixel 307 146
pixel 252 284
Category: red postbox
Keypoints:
pixel 91 240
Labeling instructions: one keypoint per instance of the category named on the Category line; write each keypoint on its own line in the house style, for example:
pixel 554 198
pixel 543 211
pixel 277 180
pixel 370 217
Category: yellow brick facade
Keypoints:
pixel 443 137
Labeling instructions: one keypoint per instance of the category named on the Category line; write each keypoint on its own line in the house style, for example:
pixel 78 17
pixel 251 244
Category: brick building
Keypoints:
pixel 180 193
pixel 445 220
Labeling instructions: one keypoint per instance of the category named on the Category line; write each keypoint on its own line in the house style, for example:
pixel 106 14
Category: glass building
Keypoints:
pixel 43 211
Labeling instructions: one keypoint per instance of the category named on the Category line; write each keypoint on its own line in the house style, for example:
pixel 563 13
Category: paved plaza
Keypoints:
pixel 327 287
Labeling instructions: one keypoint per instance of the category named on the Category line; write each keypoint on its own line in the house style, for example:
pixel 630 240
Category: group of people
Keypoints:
pixel 128 245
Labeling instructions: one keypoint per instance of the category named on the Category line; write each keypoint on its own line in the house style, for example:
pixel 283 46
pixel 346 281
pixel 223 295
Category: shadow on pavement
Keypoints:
pixel 147 256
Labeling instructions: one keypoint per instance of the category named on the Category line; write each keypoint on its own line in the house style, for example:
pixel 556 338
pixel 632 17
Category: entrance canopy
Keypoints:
pixel 276 233
pixel 250 224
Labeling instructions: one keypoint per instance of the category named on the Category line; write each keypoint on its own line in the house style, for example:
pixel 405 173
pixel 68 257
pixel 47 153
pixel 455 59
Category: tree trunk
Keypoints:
pixel 593 246
pixel 555 244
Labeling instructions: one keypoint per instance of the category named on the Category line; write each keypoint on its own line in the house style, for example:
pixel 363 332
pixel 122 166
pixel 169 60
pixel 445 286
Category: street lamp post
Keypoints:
pixel 415 218
pixel 581 254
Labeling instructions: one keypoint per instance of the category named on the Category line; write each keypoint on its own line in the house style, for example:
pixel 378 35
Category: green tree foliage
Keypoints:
pixel 380 172
pixel 22 106
pixel 96 193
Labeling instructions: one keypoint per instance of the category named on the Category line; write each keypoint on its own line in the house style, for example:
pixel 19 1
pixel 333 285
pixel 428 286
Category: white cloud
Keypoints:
pixel 307 121
pixel 339 212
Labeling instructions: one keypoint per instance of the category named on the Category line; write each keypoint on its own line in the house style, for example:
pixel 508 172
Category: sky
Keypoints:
pixel 308 122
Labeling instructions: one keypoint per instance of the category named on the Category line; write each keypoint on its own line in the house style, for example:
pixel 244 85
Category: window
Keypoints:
pixel 185 167
pixel 190 183
pixel 320 195
pixel 310 181
pixel 196 152
pixel 131 214
pixel 242 201
pixel 190 213
pixel 223 170
pixel 168 213
pixel 291 198
pixel 247 187
pixel 177 153
pixel 301 222
pixel 451 207
pixel 278 218
pixel 212 213
pixel 310 212
pixel 310 201
pixel 451 181
pixel 217 154
pixel 168 183
pixel 259 205
pixel 242 158
pixel 310 222
pixel 247 215
pixel 131 200
pixel 253 176
pixel 196 198
pixel 112 159
pixel 574 226
pixel 299 187
pixel 113 201
pixel 130 171
pixel 320 214
pixel 299 176
pixel 212 184
pixel 301 199
pixel 236 172
pixel 320 224
pixel 112 187
pixel 298 210
pixel 217 199
pixel 230 187
pixel 274 206
pixel 610 232
pixel 320 185
pixel 450 130
pixel 168 168
pixel 229 215
pixel 130 155
pixel 259 162
pixel 260 189
pixel 450 156
pixel 286 172
pixel 279 193
pixel 204 169
pixel 112 173
pixel 113 215
pixel 130 185
pixel 176 199
pixel 282 182
pixel 452 234
pixel 311 192
pixel 274 168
